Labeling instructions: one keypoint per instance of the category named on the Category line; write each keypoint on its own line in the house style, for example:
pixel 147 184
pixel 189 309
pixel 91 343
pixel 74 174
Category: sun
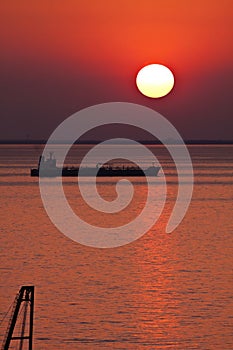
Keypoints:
pixel 155 80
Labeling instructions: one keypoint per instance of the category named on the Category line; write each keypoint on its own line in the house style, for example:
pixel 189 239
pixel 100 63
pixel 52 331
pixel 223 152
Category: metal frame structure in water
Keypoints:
pixel 24 298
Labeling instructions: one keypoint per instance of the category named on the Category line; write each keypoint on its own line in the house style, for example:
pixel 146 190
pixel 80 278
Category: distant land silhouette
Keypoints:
pixel 146 142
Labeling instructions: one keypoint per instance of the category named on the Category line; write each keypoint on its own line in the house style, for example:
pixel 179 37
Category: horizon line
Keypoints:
pixel 85 142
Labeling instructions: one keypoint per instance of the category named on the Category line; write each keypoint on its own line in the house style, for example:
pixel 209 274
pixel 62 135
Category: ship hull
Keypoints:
pixel 91 172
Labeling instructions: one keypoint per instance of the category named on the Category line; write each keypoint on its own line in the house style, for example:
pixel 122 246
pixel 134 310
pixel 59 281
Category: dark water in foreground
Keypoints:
pixel 163 291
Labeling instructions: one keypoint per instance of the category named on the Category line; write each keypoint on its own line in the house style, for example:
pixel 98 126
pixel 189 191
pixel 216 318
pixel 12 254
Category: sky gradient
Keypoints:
pixel 58 57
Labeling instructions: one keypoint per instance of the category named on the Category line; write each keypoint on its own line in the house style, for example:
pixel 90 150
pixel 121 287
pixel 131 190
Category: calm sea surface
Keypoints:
pixel 163 291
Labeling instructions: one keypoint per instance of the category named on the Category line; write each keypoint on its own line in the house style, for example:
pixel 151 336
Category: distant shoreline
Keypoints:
pixel 94 142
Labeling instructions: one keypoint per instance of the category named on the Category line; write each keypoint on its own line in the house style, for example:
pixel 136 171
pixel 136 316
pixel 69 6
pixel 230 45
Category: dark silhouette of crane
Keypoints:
pixel 23 303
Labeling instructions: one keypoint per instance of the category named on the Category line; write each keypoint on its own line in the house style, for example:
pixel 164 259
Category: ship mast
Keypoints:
pixel 24 301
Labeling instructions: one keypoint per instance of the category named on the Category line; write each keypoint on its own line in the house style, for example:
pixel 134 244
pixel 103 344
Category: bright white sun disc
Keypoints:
pixel 155 80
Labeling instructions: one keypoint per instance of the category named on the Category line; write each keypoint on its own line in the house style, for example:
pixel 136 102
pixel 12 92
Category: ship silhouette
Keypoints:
pixel 48 168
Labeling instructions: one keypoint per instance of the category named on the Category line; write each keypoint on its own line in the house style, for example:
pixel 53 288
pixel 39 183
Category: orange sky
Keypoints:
pixel 96 48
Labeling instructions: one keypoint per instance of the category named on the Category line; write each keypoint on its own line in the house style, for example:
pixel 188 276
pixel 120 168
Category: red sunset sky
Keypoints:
pixel 58 57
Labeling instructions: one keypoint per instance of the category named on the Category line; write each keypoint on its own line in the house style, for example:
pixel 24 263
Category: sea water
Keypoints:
pixel 162 291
